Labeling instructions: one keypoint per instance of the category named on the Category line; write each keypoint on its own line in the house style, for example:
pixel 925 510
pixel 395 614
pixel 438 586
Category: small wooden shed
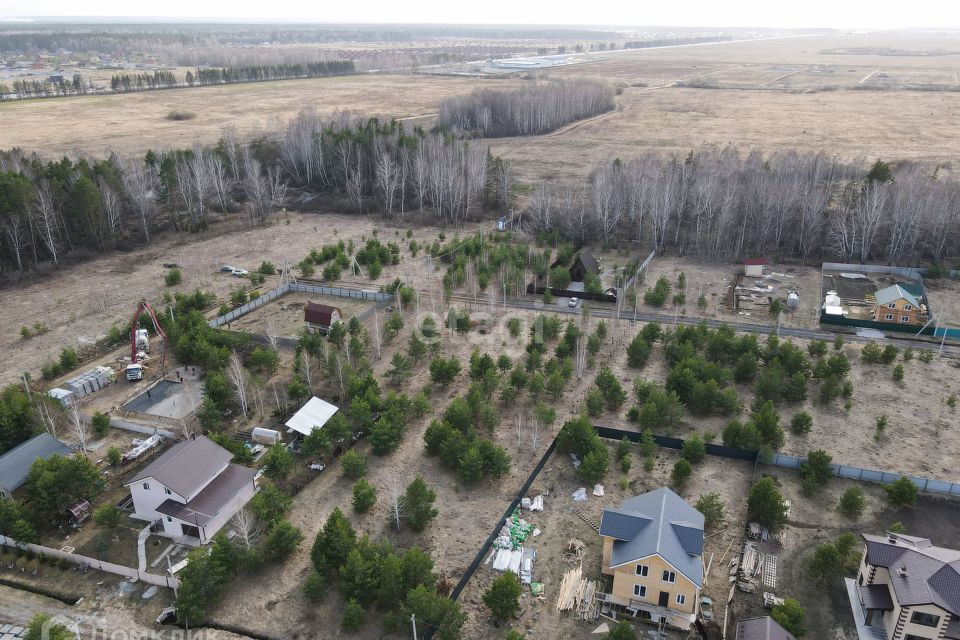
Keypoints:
pixel 320 317
pixel 753 267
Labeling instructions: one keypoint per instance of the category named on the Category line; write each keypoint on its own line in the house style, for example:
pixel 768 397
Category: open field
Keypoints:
pixel 770 96
pixel 845 123
pixel 81 303
pixel 132 123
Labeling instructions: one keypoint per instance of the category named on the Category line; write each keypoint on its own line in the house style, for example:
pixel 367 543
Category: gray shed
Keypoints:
pixel 15 464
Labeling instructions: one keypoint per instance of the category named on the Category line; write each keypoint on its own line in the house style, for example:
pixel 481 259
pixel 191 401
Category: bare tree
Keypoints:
pixel 248 529
pixel 395 501
pixel 238 380
pixel 78 425
pixel 139 182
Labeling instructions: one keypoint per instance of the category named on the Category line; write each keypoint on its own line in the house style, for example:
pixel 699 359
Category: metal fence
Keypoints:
pixel 790 462
pixel 270 296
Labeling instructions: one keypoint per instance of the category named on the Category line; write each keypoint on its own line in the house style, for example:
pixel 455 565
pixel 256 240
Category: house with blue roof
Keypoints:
pixel 653 548
pixel 902 303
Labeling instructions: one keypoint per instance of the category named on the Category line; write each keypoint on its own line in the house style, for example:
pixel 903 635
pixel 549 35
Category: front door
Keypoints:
pixel 664 599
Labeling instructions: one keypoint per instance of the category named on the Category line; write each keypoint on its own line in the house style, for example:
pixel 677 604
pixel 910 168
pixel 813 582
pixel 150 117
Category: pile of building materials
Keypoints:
pixel 508 551
pixel 514 532
pixel 751 564
pixel 574 551
pixel 770 600
pixel 579 594
pixel 89 381
pixel 534 504
pixel 140 447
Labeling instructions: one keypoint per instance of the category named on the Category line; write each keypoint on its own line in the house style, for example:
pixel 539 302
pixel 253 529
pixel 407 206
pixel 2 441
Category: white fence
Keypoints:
pixel 92 563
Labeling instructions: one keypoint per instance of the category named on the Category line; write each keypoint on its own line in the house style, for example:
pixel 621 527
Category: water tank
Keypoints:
pixel 793 300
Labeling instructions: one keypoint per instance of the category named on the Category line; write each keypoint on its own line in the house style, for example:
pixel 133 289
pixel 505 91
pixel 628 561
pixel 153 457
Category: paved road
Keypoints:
pixel 667 319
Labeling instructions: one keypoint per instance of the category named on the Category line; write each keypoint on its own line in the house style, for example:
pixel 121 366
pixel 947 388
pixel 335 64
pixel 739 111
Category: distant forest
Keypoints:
pixel 532 109
pixel 139 37
pixel 720 204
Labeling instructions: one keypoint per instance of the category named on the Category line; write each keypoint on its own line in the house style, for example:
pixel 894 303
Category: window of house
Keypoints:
pixel 640 590
pixel 889 316
pixel 643 570
pixel 169 519
pixel 681 599
pixel 669 576
pixel 167 491
pixel 146 486
pixel 908 307
pixel 3 494
pixel 904 318
pixel 926 619
pixel 892 305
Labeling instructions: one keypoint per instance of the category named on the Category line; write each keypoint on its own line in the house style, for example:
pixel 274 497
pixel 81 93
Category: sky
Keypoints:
pixel 842 14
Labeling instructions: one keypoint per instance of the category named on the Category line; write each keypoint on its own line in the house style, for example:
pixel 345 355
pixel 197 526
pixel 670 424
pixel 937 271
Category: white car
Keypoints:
pixel 240 273
pixel 573 302
pixel 227 269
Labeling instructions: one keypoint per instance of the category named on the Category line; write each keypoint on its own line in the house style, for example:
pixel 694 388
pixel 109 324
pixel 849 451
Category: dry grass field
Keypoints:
pixel 134 122
pixel 811 93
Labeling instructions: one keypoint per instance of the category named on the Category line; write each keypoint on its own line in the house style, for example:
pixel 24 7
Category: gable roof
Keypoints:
pixel 752 262
pixel 215 496
pixel 186 466
pixel 15 464
pixel 658 522
pixel 920 573
pixel 765 628
pixel 321 314
pixel 588 261
pixel 312 415
pixel 895 292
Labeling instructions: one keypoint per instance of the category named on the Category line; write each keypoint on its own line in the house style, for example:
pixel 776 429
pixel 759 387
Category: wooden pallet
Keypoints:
pixel 770 571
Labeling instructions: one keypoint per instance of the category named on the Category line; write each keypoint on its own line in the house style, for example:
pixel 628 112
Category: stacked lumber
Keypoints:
pixel 570 586
pixel 579 594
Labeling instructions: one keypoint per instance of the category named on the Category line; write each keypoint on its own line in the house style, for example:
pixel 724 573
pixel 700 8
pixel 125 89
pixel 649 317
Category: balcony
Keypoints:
pixel 873 631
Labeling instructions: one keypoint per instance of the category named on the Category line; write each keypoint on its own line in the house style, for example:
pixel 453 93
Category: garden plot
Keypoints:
pixel 283 317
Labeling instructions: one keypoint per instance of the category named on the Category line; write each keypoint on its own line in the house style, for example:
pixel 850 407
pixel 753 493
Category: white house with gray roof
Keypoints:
pixel 192 489
pixel 906 589
pixel 15 464
pixel 653 547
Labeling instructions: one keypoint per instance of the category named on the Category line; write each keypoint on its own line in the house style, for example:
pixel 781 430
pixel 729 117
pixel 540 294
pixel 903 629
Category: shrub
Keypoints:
pixel 852 502
pixel 694 450
pixel 902 492
pixel 352 616
pixel 173 277
pixel 68 359
pixel 353 464
pixel 364 496
pixel 594 402
pixel 681 472
pixel 594 464
pixel 114 456
pixel 503 596
pixel 791 616
pixel 815 471
pixel 801 423
pixel 313 588
pixel 926 356
pixel 657 296
pixel 766 505
pixel 898 373
pixel 100 422
pixel 107 516
pixel 713 510
pixel 267 268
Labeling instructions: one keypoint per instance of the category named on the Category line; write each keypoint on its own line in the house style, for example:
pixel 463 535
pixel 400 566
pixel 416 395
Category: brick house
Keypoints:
pixel 652 546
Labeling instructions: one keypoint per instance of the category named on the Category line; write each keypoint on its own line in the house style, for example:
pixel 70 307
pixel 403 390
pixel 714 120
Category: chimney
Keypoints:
pixel 902 571
pixel 891 538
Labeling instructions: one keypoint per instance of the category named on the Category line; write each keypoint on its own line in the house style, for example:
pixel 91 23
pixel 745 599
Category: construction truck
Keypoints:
pixel 140 343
